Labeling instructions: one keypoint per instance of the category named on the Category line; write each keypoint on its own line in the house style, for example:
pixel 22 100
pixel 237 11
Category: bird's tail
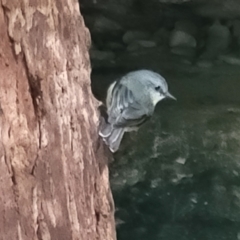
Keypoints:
pixel 111 136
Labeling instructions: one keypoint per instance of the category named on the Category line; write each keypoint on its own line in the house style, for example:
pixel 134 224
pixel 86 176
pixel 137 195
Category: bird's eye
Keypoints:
pixel 157 88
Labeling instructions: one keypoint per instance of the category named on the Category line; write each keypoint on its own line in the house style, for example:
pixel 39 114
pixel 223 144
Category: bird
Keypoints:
pixel 130 102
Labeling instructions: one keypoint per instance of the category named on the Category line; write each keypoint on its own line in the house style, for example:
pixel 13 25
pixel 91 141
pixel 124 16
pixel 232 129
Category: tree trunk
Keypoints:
pixel 53 169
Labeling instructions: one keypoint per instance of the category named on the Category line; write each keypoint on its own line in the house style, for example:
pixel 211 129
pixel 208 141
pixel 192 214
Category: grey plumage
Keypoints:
pixel 130 102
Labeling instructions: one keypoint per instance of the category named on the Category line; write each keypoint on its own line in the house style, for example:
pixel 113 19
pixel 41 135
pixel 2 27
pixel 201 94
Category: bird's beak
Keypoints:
pixel 169 95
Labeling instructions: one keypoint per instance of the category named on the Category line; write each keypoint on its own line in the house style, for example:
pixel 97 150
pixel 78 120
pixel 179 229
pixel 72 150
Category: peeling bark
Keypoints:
pixel 54 175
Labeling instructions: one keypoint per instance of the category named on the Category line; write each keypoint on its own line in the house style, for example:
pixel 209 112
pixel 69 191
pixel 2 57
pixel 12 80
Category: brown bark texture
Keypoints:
pixel 53 170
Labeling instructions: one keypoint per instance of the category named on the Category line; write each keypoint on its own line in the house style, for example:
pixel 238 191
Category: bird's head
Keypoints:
pixel 157 87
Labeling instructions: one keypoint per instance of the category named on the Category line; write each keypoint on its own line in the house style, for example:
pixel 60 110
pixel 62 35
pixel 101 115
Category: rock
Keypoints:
pixel 131 36
pixel 219 38
pixel 103 24
pixel 101 55
pixel 218 41
pixel 230 59
pixel 183 35
pixel 136 45
pixel 182 39
pixel 186 26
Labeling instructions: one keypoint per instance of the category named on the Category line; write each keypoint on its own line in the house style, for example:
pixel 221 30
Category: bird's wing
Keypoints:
pixel 131 118
pixel 125 110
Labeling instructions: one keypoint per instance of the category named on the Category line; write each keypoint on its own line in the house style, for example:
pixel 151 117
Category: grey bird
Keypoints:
pixel 131 101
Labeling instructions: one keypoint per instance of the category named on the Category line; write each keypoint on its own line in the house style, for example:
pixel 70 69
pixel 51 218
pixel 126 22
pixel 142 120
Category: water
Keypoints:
pixel 178 177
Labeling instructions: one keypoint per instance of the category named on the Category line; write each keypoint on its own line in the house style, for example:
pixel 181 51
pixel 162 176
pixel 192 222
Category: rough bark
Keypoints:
pixel 53 172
